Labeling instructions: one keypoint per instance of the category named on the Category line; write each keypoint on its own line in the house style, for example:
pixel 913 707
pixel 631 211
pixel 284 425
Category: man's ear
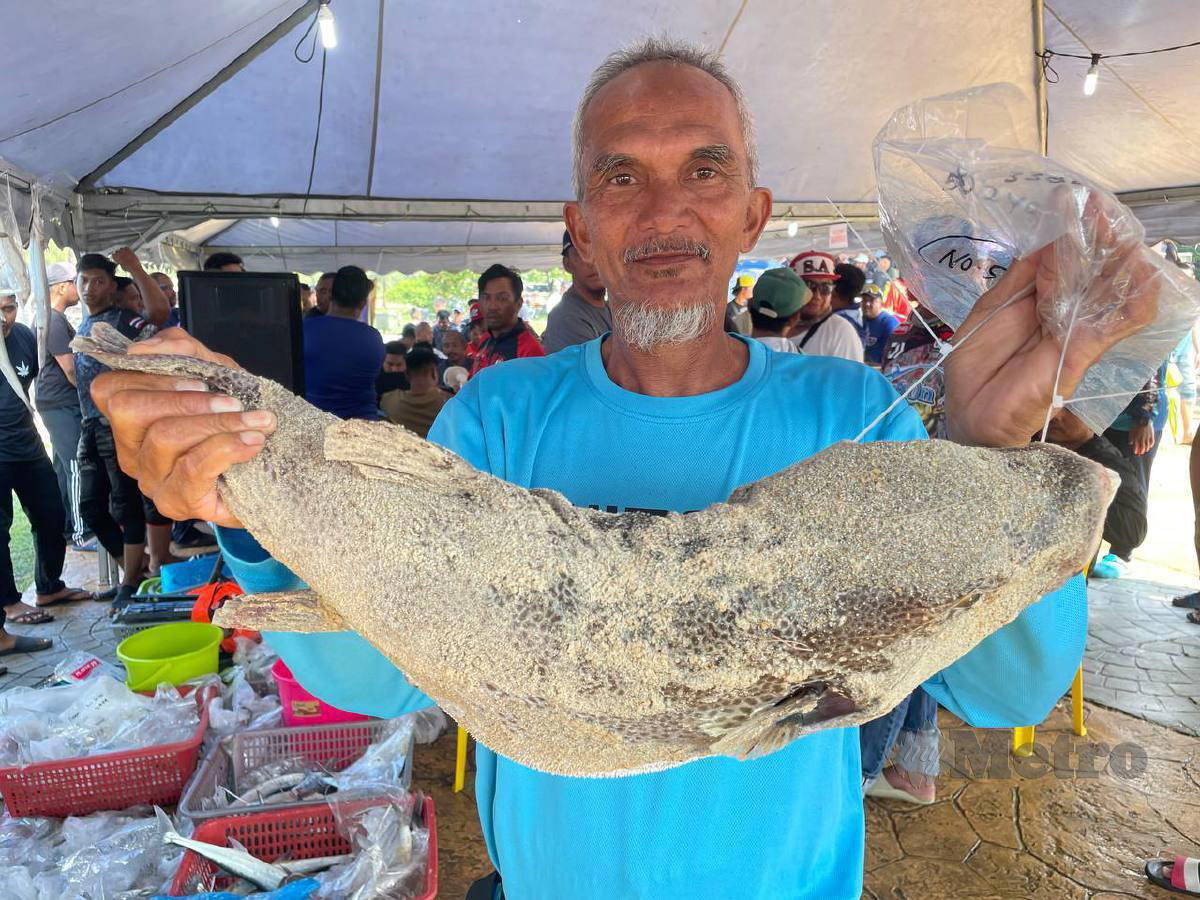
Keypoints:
pixel 577 225
pixel 758 213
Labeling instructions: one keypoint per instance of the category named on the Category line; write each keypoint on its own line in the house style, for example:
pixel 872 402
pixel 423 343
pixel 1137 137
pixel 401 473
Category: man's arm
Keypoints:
pixel 156 307
pixel 66 362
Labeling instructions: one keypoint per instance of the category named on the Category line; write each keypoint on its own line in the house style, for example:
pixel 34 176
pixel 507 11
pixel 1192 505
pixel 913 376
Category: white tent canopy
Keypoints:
pixel 437 113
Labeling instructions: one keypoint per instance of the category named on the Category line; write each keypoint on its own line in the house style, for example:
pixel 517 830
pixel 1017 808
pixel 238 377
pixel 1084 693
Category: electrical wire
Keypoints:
pixel 312 166
pixel 309 30
pixel 1051 74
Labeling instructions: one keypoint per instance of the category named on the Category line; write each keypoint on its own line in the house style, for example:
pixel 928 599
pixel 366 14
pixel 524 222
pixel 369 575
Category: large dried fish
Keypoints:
pixel 582 642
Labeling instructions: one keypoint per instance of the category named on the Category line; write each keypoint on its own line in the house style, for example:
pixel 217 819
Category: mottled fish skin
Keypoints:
pixel 585 643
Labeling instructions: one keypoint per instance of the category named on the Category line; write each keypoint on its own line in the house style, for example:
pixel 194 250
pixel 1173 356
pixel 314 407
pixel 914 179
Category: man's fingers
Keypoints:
pixel 109 383
pixel 166 441
pixel 190 490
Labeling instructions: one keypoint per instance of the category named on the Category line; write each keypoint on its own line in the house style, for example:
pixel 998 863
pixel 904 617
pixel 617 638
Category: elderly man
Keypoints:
pixel 582 313
pixel 668 413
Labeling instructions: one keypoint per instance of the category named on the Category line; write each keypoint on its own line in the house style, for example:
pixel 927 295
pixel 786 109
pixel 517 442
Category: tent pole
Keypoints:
pixel 1039 78
pixel 240 62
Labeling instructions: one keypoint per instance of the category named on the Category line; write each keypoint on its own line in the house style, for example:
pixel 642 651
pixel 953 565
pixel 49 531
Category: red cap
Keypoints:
pixel 813 265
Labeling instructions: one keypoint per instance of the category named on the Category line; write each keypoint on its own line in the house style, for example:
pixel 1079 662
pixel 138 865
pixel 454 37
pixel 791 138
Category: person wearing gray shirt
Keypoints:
pixel 582 314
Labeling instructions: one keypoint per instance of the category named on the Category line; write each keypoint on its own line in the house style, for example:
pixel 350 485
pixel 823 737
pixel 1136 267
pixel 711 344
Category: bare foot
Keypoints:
pixel 66 595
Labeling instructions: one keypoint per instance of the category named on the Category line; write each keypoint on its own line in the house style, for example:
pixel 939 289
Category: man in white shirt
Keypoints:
pixel 821 332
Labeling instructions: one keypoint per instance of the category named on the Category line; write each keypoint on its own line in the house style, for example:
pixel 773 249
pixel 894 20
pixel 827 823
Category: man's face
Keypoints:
pixel 582 272
pixel 424 333
pixel 667 205
pixel 744 296
pixel 821 303
pixel 305 297
pixel 67 292
pixel 500 305
pixel 454 345
pixel 324 294
pixel 456 317
pixel 167 286
pixel 394 362
pixel 96 287
pixel 8 312
pixel 884 264
pixel 871 306
pixel 130 298
pixel 862 264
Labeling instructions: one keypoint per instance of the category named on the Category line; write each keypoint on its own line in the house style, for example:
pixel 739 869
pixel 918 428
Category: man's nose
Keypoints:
pixel 664 206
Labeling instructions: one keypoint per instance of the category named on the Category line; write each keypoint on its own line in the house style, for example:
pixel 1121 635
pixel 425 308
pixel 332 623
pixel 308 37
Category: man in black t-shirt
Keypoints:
pixel 57 400
pixel 25 471
pixel 110 501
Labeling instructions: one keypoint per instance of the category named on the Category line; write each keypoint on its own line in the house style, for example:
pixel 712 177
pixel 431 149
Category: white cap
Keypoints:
pixel 862 257
pixel 57 273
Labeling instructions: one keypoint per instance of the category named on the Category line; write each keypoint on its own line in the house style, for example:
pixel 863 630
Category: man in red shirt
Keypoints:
pixel 508 337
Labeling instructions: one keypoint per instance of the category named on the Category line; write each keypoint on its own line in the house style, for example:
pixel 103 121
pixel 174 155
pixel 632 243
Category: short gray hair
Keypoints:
pixel 662 49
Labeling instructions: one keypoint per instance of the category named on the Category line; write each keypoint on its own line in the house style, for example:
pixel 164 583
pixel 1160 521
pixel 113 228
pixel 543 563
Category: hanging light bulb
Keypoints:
pixel 326 24
pixel 274 221
pixel 1092 76
pixel 793 229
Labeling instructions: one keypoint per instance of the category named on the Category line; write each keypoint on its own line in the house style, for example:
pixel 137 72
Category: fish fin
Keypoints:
pixel 384 451
pixel 297 611
pixel 807 708
pixel 164 822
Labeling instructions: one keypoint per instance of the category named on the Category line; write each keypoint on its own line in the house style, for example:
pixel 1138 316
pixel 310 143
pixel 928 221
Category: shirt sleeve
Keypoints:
pixel 339 668
pixel 58 336
pixel 564 330
pixel 1016 675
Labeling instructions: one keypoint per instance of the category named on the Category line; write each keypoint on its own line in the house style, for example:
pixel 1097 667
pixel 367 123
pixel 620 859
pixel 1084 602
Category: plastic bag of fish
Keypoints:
pixel 98 715
pixel 300 778
pixel 104 855
pixel 389 850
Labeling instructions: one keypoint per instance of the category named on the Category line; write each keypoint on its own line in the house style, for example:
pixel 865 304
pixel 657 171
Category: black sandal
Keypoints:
pixel 1188 601
pixel 28 645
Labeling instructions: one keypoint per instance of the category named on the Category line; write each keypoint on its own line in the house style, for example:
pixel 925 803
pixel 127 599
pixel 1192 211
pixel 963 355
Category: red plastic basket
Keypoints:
pixel 87 784
pixel 302 833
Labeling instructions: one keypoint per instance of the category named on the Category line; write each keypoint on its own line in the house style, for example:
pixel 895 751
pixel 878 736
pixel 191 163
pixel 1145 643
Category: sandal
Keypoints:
pixel 33 617
pixel 1194 617
pixel 71 595
pixel 1180 875
pixel 27 645
pixel 1188 601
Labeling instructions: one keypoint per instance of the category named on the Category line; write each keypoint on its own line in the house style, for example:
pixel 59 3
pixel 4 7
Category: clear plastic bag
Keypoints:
pixel 390 846
pixel 962 196
pixel 98 715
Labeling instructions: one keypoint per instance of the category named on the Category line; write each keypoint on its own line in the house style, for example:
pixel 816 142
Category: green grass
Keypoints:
pixel 20 547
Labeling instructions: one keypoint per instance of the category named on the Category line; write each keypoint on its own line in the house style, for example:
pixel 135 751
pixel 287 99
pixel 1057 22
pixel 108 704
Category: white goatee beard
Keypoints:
pixel 645 327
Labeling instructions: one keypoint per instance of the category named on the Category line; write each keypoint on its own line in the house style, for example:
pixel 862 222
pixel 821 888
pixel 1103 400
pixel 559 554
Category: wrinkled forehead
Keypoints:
pixel 656 107
pixel 8 302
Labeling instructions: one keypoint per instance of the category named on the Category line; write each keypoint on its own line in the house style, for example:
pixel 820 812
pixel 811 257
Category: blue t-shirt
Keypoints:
pixel 129 324
pixel 876 332
pixel 341 359
pixel 789 825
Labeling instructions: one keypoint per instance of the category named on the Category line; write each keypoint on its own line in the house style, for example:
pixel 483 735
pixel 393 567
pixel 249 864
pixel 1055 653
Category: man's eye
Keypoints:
pixel 622 179
pixel 705 173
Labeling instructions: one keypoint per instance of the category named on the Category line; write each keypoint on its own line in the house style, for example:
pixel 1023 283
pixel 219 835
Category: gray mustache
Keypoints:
pixel 667 245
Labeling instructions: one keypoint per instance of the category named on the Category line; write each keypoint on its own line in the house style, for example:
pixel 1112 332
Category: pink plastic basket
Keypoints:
pixel 302 833
pixel 302 708
pixel 87 784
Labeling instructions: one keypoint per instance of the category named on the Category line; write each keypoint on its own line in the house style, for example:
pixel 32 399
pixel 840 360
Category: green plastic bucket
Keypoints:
pixel 170 653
